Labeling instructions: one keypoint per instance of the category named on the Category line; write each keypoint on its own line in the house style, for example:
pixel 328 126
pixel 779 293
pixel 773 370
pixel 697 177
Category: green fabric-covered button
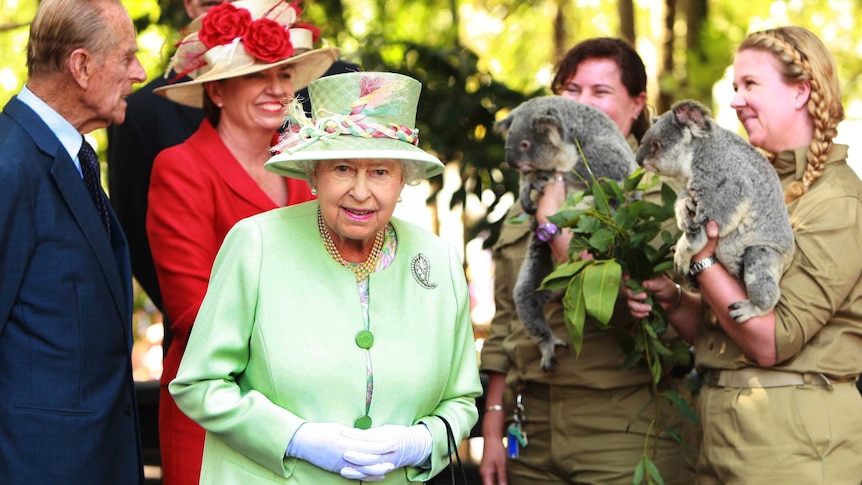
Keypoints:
pixel 365 339
pixel 364 422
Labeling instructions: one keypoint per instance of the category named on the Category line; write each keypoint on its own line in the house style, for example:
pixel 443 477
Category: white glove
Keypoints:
pixel 324 444
pixel 409 445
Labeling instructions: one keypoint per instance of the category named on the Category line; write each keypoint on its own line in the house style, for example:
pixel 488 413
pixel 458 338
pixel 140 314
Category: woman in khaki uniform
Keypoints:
pixel 779 404
pixel 585 422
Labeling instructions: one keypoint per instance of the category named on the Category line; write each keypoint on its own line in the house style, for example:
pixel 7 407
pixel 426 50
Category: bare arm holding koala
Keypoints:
pixel 756 337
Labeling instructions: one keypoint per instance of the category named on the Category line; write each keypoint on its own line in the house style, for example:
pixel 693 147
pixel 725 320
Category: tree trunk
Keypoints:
pixel 561 32
pixel 665 99
pixel 626 10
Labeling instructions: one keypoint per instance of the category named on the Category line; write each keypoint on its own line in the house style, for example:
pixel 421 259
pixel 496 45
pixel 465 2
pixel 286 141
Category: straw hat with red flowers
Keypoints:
pixel 238 38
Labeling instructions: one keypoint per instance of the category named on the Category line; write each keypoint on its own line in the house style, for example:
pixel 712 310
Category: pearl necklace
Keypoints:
pixel 360 270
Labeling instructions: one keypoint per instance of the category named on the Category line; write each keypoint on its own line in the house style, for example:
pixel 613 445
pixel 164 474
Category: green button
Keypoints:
pixel 363 422
pixel 365 339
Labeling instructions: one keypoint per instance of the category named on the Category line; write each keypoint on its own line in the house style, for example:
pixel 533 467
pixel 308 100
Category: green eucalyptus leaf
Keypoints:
pixel 586 224
pixel 655 369
pixel 575 308
pixel 663 267
pixel 601 288
pixel 650 331
pixel 674 435
pixel 565 218
pixel 632 358
pixel 612 189
pixel 654 474
pixel 670 238
pixel 681 352
pixel 638 264
pixel 659 347
pixel 635 286
pixel 683 406
pixel 640 472
pixel 653 211
pixel 626 216
pixel 668 196
pixel 602 204
pixel 632 181
pixel 602 239
pixel 559 278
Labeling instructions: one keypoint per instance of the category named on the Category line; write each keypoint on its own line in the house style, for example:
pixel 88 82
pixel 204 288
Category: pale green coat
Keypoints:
pixel 273 346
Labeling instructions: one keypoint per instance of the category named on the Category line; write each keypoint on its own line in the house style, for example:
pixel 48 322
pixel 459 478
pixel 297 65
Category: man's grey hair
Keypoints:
pixel 61 26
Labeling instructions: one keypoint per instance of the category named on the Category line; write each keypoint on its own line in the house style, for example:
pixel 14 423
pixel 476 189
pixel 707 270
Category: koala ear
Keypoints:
pixel 502 127
pixel 692 115
pixel 545 123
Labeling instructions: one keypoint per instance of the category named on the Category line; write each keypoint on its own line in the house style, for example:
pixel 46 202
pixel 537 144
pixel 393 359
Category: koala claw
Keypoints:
pixel 549 360
pixel 742 311
pixel 692 226
pixel 691 207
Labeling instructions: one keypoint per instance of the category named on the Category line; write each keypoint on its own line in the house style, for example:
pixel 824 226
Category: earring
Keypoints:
pixel 220 105
pixel 313 190
pixel 399 198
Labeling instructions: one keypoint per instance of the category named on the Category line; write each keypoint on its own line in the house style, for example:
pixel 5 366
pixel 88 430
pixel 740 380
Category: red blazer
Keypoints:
pixel 198 191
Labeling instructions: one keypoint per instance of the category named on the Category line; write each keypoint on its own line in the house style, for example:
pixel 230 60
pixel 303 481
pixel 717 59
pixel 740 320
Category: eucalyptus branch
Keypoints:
pixel 628 232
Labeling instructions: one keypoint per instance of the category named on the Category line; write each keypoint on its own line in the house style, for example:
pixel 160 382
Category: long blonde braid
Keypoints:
pixel 805 58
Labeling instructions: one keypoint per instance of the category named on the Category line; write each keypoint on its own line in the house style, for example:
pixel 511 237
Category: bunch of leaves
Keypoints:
pixel 616 230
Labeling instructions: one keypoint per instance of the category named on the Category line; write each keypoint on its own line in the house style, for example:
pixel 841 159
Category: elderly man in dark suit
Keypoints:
pixel 67 401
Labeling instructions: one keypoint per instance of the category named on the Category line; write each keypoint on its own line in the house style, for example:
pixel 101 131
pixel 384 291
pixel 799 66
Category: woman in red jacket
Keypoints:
pixel 245 59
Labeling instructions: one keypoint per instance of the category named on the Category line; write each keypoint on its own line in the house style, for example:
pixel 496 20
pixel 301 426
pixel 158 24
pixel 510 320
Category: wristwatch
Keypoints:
pixel 545 232
pixel 698 267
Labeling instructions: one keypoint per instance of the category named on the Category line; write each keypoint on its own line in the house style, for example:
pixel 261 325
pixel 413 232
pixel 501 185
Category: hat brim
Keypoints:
pixel 349 147
pixel 308 67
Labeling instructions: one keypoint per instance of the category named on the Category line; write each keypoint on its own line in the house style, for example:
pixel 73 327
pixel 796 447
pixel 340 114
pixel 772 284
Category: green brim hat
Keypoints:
pixel 238 38
pixel 355 115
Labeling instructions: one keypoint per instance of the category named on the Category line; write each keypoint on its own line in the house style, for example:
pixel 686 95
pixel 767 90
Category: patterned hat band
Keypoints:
pixel 356 115
pixel 302 132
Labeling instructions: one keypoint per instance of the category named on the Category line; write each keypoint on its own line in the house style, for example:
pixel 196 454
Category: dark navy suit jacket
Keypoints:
pixel 67 400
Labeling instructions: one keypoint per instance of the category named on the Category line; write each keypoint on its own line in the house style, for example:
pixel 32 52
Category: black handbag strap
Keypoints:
pixel 452 446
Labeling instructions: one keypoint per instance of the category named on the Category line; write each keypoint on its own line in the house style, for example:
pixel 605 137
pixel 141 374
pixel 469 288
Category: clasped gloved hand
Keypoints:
pixel 409 445
pixel 325 444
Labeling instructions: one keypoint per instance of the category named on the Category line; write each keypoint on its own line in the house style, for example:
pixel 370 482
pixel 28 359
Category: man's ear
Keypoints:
pixel 81 66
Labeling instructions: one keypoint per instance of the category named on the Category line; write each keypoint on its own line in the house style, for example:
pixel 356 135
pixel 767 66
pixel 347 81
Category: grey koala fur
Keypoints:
pixel 726 180
pixel 541 136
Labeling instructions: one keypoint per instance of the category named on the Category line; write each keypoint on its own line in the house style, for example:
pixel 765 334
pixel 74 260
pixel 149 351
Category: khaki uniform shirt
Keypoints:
pixel 818 319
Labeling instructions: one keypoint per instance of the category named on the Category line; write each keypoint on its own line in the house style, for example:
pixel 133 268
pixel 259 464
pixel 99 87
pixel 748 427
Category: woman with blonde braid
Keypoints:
pixel 779 404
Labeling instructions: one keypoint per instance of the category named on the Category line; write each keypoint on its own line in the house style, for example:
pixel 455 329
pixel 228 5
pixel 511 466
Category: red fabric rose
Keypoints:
pixel 268 41
pixel 224 23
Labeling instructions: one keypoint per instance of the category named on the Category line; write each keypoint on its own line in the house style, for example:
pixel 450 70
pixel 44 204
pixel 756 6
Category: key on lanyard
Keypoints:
pixel 516 436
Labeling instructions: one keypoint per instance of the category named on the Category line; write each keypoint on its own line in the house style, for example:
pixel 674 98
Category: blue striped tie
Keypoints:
pixel 92 179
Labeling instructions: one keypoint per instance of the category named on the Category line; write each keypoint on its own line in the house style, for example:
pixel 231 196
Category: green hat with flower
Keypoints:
pixel 237 38
pixel 355 115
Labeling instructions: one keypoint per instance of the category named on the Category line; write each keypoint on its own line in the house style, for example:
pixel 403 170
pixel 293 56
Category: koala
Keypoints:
pixel 543 136
pixel 726 180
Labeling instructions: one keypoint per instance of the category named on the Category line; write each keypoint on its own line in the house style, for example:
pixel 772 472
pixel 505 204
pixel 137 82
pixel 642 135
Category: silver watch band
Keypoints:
pixel 699 266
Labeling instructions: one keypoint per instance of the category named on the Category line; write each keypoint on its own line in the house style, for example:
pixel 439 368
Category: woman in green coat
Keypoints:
pixel 334 343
